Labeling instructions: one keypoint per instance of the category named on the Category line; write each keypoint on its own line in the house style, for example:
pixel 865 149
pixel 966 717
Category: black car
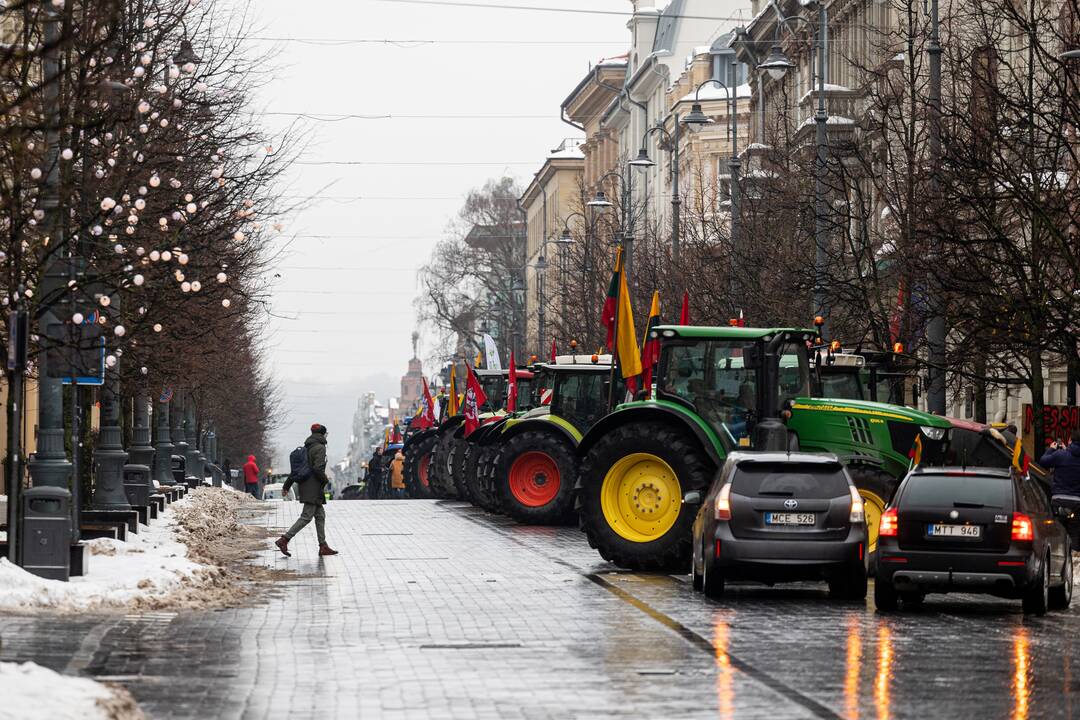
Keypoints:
pixel 781 517
pixel 351 492
pixel 978 530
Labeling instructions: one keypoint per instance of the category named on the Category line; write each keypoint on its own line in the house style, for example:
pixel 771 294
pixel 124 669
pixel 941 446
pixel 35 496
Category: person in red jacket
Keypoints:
pixel 251 477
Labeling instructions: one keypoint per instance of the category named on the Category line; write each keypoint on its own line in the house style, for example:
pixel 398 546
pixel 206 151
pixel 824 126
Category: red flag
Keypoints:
pixel 426 419
pixel 607 314
pixel 898 314
pixel 474 398
pixel 396 438
pixel 511 393
pixel 650 349
pixel 684 314
pixel 554 350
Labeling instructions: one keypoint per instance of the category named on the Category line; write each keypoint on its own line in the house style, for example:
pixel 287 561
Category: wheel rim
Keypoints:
pixel 873 507
pixel 641 497
pixel 423 468
pixel 534 478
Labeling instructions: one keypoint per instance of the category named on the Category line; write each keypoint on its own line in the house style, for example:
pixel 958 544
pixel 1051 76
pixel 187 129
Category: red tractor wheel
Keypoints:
pixel 534 478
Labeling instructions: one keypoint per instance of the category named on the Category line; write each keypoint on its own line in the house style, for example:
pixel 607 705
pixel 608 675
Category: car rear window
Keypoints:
pixel 947 490
pixel 790 480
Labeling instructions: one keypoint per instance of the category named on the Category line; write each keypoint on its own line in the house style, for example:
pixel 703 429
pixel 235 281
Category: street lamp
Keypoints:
pixel 777 63
pixel 643 160
pixel 599 201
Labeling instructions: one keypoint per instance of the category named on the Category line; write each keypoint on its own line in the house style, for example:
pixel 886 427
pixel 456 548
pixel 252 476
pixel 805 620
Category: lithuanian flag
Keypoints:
pixel 650 348
pixel 626 336
pixel 607 314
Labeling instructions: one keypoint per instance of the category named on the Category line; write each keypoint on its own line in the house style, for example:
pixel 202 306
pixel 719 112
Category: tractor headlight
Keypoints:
pixel 934 433
pixel 668 333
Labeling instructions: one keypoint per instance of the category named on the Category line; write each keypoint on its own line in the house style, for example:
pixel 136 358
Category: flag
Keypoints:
pixel 1020 460
pixel 511 390
pixel 916 451
pixel 166 395
pixel 554 350
pixel 474 399
pixel 491 353
pixel 684 314
pixel 396 437
pixel 607 314
pixel 425 415
pixel 626 336
pixel 386 437
pixel 453 407
pixel 479 358
pixel 650 349
pixel 898 314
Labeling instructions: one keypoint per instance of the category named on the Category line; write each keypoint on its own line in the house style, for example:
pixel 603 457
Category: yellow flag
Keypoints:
pixel 1018 460
pixel 626 342
pixel 453 407
pixel 479 359
pixel 916 451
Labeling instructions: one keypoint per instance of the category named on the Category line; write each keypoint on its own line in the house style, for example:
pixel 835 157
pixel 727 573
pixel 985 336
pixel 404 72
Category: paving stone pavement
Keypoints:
pixel 435 609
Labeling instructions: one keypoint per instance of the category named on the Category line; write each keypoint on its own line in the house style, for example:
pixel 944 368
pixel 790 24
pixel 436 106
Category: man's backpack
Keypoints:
pixel 299 465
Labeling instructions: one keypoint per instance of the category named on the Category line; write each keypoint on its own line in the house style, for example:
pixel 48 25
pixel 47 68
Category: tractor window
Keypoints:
pixel 713 378
pixel 794 373
pixel 495 389
pixel 525 393
pixel 581 398
pixel 840 385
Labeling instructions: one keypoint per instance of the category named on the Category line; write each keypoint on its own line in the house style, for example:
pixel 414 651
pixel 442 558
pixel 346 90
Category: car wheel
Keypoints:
pixel 849 586
pixel 712 581
pixel 1061 596
pixel 885 596
pixel 695 577
pixel 1037 597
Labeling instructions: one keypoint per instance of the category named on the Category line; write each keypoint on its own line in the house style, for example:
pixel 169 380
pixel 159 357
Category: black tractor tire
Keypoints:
pixel 874 484
pixel 419 457
pixel 459 456
pixel 442 479
pixel 693 468
pixel 561 454
pixel 479 458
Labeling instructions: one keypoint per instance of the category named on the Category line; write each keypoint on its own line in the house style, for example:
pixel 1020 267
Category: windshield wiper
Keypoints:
pixel 777 493
pixel 968 505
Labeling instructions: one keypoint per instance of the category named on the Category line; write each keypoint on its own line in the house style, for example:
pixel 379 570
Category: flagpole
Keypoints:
pixel 619 268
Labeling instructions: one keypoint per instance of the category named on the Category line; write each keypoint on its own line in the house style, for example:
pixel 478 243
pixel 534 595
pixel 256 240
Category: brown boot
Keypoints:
pixel 325 549
pixel 283 545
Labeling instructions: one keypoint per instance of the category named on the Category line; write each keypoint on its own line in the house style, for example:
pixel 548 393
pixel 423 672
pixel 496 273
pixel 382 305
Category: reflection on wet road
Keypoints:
pixel 439 610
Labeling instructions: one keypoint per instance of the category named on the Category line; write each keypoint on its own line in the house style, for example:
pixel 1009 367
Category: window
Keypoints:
pixel 810 481
pixel 947 490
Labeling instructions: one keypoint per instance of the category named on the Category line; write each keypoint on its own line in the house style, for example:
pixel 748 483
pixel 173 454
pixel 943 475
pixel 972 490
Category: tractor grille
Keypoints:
pixel 860 430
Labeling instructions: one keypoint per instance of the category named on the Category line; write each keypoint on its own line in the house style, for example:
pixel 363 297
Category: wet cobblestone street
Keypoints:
pixel 439 610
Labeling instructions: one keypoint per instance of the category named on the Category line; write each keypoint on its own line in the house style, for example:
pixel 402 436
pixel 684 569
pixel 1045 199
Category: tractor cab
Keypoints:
pixel 866 375
pixel 581 388
pixel 494 384
pixel 733 377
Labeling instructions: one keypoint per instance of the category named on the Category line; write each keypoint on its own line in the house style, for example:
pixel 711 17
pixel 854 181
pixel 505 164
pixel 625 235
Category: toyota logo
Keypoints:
pixel 791 504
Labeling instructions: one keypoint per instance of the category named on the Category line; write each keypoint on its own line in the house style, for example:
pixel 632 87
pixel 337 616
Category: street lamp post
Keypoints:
pixel 541 267
pixel 642 160
pixel 192 464
pixel 164 447
pixel 935 329
pixel 777 64
pixel 176 429
pixel 109 454
pixel 140 452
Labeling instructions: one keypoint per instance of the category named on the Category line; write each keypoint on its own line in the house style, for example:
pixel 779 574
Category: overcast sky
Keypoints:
pixel 351 277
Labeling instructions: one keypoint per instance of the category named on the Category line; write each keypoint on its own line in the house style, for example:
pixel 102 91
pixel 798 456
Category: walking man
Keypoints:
pixel 251 477
pixel 311 493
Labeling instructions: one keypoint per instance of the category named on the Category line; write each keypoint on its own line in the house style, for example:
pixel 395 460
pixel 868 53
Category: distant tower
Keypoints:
pixel 412 381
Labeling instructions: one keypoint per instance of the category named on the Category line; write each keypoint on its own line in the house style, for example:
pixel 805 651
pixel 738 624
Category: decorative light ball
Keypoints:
pixel 143 370
pixel 107 204
pixel 217 172
pixel 140 251
pixel 138 72
pixel 77 318
pixel 32 222
pixel 111 162
pixel 118 249
pixel 189 67
pixel 155 255
pixel 96 230
pixel 67 154
pixel 196 286
pixel 99 173
pixel 130 229
pixel 36 173
pixel 182 258
pixel 166 256
pixel 102 320
pixel 185 286
pixel 160 89
pixel 222 277
pixel 144 107
pixel 239 236
pixel 144 128
pixel 142 189
pixel 58 4
pixel 226 302
pixel 164 122
pixel 108 136
pixel 157 327
pixel 31 145
pixel 105 301
pixel 146 58
pixel 142 310
pixel 174 72
pixel 178 275
pixel 163 222
pixel 177 216
pixel 149 22
pixel 138 279
pixel 191 208
pixel 140 204
pixel 133 219
pixel 39 214
pixel 155 181
pixel 110 360
pixel 119 331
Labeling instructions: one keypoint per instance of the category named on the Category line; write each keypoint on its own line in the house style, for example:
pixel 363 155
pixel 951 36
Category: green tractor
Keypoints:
pixel 876 376
pixel 646 466
pixel 531 465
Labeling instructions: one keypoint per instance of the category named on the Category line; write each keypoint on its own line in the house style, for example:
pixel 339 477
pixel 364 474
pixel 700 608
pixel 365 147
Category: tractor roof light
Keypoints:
pixel 819 321
pixel 669 333
pixel 834 346
pixel 573 344
pixel 595 358
pixel 532 358
pixel 898 348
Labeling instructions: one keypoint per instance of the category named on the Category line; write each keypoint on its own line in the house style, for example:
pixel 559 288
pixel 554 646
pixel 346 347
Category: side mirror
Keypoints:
pixel 692 498
pixel 751 357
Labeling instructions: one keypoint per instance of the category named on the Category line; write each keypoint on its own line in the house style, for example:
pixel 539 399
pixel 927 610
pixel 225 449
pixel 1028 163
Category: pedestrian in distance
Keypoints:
pixel 1065 489
pixel 251 477
pixel 374 474
pixel 226 470
pixel 308 472
pixel 397 476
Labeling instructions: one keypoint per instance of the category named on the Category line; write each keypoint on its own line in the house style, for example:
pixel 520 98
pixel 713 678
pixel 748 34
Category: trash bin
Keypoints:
pixel 46 532
pixel 179 469
pixel 137 485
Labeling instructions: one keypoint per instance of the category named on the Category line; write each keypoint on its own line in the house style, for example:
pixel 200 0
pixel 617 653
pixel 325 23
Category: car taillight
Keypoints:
pixel 858 513
pixel 1022 528
pixel 889 523
pixel 723 503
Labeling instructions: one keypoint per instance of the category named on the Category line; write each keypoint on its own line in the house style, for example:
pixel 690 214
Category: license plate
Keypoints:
pixel 962 531
pixel 774 518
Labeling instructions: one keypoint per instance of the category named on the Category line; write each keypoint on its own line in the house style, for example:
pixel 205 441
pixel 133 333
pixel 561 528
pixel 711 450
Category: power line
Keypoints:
pixel 418 42
pixel 385 163
pixel 340 117
pixel 579 11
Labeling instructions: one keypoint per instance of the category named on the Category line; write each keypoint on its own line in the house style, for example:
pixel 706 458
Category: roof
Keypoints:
pixel 968 470
pixel 701 331
pixel 668 26
pixel 804 458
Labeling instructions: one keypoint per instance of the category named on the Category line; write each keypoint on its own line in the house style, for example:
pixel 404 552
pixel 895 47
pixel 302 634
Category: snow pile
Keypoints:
pixel 175 562
pixel 60 697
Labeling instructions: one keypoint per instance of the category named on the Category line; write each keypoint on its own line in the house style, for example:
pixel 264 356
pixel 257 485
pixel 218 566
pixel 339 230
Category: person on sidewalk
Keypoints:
pixel 397 476
pixel 1065 489
pixel 311 494
pixel 251 477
